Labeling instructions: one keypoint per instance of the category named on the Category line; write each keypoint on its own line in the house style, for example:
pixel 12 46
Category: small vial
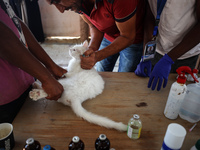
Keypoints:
pixel 76 144
pixel 48 147
pixel 134 127
pixel 32 144
pixel 196 146
pixel 102 143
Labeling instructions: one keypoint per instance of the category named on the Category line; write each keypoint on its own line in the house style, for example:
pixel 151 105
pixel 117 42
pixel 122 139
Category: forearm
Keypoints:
pixel 126 38
pixel 120 43
pixel 35 47
pixel 96 38
pixel 188 42
pixel 96 35
pixel 16 53
pixel 149 23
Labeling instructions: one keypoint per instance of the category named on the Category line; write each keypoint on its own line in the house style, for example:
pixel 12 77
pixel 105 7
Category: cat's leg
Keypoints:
pixel 37 94
pixel 36 85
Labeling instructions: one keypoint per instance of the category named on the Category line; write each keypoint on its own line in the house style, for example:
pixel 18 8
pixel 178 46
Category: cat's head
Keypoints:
pixel 78 50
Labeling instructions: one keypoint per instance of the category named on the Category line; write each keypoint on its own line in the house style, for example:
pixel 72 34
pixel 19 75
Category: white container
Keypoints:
pixel 174 137
pixel 190 108
pixel 175 98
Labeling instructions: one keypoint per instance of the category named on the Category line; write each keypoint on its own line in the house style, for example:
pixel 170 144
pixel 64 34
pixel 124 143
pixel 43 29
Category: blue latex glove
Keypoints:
pixel 160 72
pixel 143 68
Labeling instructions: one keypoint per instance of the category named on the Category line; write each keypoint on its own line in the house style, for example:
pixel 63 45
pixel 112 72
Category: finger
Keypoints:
pixel 63 76
pixel 88 52
pixel 160 81
pixel 165 83
pixel 149 70
pixel 150 81
pixel 52 98
pixel 154 83
pixel 49 97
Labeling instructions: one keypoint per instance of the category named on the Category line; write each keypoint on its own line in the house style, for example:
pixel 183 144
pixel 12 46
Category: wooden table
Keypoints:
pixel 52 123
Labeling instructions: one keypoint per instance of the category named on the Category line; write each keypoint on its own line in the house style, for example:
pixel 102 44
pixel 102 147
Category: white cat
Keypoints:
pixel 80 85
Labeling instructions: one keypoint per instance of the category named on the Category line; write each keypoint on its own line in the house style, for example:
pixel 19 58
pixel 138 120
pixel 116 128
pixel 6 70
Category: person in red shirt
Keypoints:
pixel 22 59
pixel 116 28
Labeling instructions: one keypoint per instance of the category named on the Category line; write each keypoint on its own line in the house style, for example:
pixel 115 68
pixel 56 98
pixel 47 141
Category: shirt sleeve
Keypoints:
pixel 124 9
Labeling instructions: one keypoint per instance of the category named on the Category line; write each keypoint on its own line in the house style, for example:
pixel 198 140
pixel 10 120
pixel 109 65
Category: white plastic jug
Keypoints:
pixel 190 108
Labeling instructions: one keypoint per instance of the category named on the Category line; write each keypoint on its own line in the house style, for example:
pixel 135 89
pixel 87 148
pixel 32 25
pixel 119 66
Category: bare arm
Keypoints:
pixel 190 40
pixel 149 23
pixel 40 54
pixel 96 35
pixel 16 53
pixel 127 36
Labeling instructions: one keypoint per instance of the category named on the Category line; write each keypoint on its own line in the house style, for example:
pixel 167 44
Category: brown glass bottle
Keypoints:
pixel 32 144
pixel 102 143
pixel 76 144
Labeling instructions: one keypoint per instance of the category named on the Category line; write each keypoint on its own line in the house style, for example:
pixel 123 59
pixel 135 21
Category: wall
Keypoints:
pixel 58 24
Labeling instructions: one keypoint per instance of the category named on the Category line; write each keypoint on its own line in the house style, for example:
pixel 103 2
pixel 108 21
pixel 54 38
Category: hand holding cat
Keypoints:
pixel 57 71
pixel 53 89
pixel 88 60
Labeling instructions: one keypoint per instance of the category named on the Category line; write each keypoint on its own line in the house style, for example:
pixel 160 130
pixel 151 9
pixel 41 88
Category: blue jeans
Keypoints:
pixel 128 60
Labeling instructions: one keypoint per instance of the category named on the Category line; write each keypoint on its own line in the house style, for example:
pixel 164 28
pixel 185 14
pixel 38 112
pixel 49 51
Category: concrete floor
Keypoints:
pixel 59 52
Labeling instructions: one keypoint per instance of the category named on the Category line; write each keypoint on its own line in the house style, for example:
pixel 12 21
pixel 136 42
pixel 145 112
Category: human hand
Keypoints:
pixel 160 72
pixel 143 68
pixel 88 60
pixel 53 89
pixel 57 71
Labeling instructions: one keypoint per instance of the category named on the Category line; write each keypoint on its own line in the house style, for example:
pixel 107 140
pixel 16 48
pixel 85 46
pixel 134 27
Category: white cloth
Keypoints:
pixel 176 20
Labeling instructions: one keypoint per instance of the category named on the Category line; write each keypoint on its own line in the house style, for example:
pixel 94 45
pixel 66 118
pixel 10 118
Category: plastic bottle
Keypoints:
pixel 32 144
pixel 48 147
pixel 76 144
pixel 102 143
pixel 177 93
pixel 134 127
pixel 191 103
pixel 196 146
pixel 174 137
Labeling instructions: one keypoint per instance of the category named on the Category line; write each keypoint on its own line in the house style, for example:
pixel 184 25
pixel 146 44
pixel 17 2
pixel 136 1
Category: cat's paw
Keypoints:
pixel 37 94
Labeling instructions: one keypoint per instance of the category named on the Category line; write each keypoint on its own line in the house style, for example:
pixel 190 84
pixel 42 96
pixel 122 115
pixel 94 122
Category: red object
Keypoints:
pixel 181 72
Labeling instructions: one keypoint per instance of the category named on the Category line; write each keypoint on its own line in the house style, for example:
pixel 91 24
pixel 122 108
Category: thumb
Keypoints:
pixel 88 52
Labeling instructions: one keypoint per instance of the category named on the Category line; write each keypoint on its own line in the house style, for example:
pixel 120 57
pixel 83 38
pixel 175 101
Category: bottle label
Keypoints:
pixel 133 133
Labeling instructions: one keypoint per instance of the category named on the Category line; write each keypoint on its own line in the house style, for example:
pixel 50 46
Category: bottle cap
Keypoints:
pixel 102 136
pixel 181 72
pixel 197 145
pixel 174 136
pixel 75 139
pixel 136 116
pixel 47 147
pixel 29 141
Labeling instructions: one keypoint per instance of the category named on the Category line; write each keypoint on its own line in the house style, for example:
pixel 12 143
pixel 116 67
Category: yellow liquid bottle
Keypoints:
pixel 134 127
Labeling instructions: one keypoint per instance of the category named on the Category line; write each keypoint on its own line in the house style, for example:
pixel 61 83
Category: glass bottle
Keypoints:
pixel 134 127
pixel 102 143
pixel 32 144
pixel 76 144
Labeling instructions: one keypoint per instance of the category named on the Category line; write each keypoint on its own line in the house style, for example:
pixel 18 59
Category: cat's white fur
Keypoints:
pixel 80 85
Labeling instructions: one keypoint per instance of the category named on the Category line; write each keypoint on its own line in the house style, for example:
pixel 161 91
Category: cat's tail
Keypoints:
pixel 96 119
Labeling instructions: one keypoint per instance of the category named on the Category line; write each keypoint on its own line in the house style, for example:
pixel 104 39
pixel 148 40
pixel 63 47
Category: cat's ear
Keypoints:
pixel 85 44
